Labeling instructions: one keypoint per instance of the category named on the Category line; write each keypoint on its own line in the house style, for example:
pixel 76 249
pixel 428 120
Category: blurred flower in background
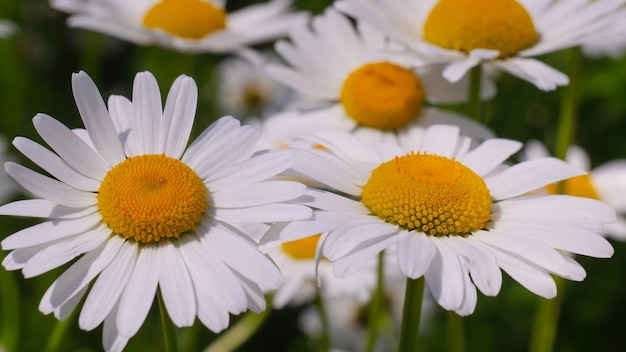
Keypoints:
pixel 352 82
pixel 246 90
pixel 183 25
pixel 606 182
pixel 7 28
pixel 507 36
pixel 143 211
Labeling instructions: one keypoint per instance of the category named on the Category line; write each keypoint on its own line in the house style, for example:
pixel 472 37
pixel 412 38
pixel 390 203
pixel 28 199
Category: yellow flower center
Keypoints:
pixel 464 25
pixel 428 193
pixel 151 197
pixel 579 186
pixel 382 95
pixel 303 248
pixel 190 19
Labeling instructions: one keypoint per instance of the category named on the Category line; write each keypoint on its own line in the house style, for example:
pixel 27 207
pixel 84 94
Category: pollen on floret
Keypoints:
pixel 428 193
pixel 382 95
pixel 465 25
pixel 152 197
pixel 189 19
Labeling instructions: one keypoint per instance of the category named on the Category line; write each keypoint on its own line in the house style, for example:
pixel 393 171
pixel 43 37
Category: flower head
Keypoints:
pixel 504 34
pixel 349 76
pixel 183 25
pixel 457 215
pixel 141 210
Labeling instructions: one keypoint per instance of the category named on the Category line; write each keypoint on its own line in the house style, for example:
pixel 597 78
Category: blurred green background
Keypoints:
pixel 35 69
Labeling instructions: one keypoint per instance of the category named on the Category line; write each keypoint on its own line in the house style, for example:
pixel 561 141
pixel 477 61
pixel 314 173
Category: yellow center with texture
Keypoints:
pixel 428 193
pixel 151 197
pixel 382 95
pixel 464 25
pixel 189 19
pixel 303 248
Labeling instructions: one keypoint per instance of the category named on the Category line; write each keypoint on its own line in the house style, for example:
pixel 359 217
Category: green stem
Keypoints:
pixel 376 307
pixel 474 104
pixel 456 333
pixel 411 314
pixel 324 341
pixel 169 329
pixel 239 333
pixel 546 321
pixel 566 128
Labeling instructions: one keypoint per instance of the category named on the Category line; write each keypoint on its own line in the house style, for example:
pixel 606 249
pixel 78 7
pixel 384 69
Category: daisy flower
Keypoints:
pixel 347 75
pixel 296 260
pixel 183 25
pixel 457 215
pixel 246 90
pixel 502 35
pixel 141 211
pixel 606 182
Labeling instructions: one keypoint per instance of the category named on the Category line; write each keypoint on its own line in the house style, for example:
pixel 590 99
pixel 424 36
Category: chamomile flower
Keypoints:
pixel 296 260
pixel 457 215
pixel 183 25
pixel 142 211
pixel 606 182
pixel 502 35
pixel 246 90
pixel 348 75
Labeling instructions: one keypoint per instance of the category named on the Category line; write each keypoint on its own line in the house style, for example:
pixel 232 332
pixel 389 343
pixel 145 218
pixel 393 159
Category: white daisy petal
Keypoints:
pixel 415 253
pixel 482 266
pixel 70 147
pixel 60 253
pixel 211 314
pixel 175 285
pixel 147 123
pixel 48 188
pixel 108 287
pixel 266 212
pixel 356 260
pixel 441 140
pixel 355 235
pixel 490 154
pixel 94 114
pixel 445 277
pixel 78 276
pixel 134 305
pixel 112 338
pixel 609 180
pixel 179 112
pixel 53 230
pixel 41 208
pixel 533 174
pixel 243 257
pixel 258 193
pixel 206 270
pixel 54 165
pixel 65 310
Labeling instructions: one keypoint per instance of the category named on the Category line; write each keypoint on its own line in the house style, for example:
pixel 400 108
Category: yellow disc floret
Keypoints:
pixel 382 95
pixel 579 186
pixel 428 193
pixel 303 248
pixel 464 25
pixel 151 197
pixel 189 19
